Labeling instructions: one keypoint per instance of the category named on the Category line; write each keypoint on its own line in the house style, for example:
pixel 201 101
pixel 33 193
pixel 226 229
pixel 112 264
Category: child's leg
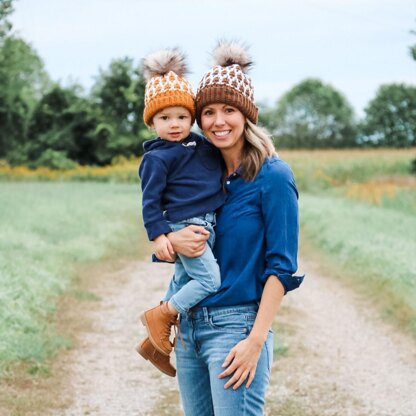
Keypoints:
pixel 195 279
pixel 204 278
pixel 179 279
pixel 159 320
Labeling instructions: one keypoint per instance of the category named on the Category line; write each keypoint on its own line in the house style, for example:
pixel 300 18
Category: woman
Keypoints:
pixel 224 362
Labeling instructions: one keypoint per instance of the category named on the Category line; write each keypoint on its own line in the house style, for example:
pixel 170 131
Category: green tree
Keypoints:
pixel 267 116
pixel 22 82
pixel 391 117
pixel 6 8
pixel 64 127
pixel 313 115
pixel 413 51
pixel 413 47
pixel 413 55
pixel 67 126
pixel 119 94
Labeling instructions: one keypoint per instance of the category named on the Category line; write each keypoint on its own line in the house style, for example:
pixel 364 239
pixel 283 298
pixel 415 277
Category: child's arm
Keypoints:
pixel 153 174
pixel 163 248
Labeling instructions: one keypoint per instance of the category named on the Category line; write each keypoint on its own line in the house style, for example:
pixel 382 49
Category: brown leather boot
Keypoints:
pixel 160 361
pixel 158 322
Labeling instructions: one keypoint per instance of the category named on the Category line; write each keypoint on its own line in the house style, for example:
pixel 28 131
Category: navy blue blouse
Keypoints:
pixel 257 234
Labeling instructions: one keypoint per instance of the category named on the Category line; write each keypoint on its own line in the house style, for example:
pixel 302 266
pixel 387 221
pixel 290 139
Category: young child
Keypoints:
pixel 181 179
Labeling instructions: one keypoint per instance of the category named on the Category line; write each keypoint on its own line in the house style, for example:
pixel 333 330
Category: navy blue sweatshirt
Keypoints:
pixel 181 179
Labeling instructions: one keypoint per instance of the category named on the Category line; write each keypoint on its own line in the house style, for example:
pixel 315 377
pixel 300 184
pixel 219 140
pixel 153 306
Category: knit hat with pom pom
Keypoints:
pixel 227 82
pixel 166 86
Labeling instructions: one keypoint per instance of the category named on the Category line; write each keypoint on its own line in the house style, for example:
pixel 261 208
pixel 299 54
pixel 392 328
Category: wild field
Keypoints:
pixel 357 215
pixel 47 230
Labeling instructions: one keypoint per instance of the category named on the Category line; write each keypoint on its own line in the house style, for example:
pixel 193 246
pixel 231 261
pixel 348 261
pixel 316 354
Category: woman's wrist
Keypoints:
pixel 258 338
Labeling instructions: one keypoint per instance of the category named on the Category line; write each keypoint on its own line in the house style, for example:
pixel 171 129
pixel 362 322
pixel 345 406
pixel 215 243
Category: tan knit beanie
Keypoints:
pixel 227 82
pixel 166 86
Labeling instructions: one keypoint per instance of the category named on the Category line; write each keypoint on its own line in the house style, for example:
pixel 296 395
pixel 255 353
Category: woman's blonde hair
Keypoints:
pixel 258 146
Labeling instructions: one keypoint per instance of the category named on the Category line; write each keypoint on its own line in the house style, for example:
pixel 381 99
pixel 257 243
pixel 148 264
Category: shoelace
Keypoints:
pixel 167 330
pixel 177 331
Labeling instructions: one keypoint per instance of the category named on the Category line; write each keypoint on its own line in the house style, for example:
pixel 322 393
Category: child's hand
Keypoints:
pixel 163 248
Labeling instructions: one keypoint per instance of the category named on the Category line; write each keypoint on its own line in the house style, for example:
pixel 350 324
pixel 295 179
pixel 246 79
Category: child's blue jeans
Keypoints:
pixel 195 277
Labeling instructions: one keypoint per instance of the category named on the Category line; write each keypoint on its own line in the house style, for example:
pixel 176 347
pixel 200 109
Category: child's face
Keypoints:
pixel 173 123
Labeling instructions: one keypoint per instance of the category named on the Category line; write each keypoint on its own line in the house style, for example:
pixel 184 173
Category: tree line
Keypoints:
pixel 44 123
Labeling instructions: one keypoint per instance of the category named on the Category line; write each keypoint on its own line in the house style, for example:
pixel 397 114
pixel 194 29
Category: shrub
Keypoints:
pixel 54 159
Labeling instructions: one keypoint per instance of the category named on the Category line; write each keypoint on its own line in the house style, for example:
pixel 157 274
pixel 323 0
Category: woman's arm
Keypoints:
pixel 242 360
pixel 189 241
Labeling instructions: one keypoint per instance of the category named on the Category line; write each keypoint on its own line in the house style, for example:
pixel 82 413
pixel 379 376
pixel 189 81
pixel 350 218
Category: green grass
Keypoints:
pixel 366 232
pixel 46 231
pixel 404 200
pixel 374 246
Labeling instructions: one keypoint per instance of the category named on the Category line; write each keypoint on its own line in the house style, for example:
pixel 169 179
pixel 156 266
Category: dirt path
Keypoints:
pixel 106 376
pixel 341 359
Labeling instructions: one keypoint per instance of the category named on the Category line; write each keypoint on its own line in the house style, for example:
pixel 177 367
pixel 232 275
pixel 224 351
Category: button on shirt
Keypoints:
pixel 257 234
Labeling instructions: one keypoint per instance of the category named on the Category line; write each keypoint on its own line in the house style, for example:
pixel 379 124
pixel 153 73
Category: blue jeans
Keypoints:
pixel 195 277
pixel 209 333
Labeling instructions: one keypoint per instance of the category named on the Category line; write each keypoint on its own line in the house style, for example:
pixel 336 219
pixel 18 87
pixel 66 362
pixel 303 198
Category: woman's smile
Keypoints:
pixel 223 124
pixel 222 133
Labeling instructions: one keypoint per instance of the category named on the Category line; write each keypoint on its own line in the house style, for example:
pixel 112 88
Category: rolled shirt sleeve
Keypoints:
pixel 280 212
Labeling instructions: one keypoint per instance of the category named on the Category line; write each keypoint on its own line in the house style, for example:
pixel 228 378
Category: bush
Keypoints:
pixel 18 156
pixel 54 159
pixel 413 167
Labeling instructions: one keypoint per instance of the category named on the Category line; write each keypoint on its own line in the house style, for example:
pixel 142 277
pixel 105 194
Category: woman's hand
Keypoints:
pixel 241 363
pixel 190 241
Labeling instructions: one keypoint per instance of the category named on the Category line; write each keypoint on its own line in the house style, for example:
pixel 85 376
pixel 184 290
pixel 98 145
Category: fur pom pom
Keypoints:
pixel 161 62
pixel 230 53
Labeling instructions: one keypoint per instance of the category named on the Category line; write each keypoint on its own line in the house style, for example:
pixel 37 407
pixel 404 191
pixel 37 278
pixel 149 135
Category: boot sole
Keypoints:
pixel 147 358
pixel 152 340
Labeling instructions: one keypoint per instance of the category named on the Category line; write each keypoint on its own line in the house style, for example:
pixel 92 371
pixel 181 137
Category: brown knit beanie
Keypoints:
pixel 166 86
pixel 227 82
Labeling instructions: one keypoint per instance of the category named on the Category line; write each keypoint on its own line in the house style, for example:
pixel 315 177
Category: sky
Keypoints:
pixel 353 45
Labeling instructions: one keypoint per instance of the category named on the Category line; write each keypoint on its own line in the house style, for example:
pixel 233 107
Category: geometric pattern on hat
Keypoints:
pixel 231 76
pixel 169 90
pixel 166 85
pixel 227 82
pixel 229 85
pixel 169 82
